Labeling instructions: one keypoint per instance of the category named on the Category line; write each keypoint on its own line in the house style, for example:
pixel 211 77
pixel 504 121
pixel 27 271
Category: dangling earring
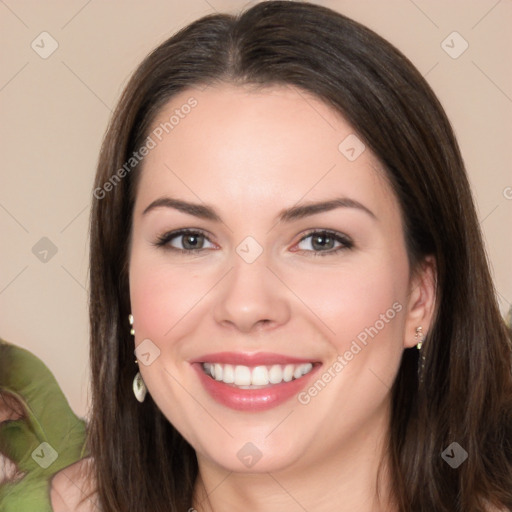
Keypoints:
pixel 139 388
pixel 130 319
pixel 419 337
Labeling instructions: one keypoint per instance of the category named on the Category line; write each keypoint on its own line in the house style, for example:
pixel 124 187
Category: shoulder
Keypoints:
pixel 70 489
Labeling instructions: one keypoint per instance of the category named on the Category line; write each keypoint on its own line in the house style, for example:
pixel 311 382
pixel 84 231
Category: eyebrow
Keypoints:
pixel 206 212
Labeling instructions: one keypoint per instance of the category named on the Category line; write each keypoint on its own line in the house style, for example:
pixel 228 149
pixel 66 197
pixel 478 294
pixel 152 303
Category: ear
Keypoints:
pixel 422 301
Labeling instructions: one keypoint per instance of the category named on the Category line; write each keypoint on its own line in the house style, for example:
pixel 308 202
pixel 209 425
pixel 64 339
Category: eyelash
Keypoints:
pixel 164 239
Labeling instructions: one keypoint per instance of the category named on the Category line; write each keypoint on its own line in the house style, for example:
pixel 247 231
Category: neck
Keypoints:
pixel 343 480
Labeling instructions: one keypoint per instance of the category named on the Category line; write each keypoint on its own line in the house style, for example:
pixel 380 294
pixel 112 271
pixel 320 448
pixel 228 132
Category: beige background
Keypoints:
pixel 54 112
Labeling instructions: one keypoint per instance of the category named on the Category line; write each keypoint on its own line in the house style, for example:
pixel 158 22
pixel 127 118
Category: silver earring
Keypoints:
pixel 139 388
pixel 130 319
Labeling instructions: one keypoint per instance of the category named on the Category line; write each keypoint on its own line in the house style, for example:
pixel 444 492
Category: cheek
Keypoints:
pixel 361 311
pixel 160 296
pixel 363 302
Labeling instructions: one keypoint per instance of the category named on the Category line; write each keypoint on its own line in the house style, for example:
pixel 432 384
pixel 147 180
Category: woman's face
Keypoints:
pixel 267 342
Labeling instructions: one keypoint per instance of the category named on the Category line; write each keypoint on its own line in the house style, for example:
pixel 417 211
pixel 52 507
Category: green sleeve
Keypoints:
pixel 48 438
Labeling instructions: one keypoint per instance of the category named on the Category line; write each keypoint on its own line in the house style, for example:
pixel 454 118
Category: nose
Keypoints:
pixel 251 297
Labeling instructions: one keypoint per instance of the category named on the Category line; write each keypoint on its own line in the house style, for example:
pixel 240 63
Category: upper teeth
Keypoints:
pixel 245 376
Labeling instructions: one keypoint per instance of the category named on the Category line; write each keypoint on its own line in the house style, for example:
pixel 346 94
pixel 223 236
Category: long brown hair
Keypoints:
pixel 141 462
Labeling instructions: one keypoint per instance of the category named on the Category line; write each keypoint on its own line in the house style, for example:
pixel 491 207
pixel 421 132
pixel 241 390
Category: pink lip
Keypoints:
pixel 248 359
pixel 253 400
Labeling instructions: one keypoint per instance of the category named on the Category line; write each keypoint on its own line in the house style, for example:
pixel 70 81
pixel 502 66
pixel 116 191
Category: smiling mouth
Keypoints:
pixel 256 377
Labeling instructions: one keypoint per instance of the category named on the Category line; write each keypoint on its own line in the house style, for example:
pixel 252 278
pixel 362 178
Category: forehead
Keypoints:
pixel 272 144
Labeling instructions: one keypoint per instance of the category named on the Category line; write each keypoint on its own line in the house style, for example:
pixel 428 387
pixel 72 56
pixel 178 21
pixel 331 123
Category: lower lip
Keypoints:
pixel 252 399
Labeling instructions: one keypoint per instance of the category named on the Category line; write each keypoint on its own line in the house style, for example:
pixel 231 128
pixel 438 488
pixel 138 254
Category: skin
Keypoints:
pixel 250 154
pixel 10 408
pixel 69 487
